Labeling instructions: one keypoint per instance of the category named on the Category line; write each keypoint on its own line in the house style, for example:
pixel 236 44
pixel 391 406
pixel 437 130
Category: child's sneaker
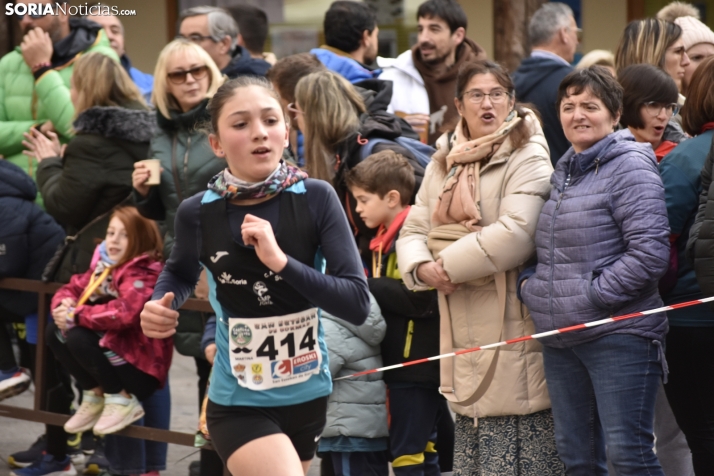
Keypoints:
pixel 22 459
pixel 119 412
pixel 98 462
pixel 74 449
pixel 87 414
pixel 47 466
pixel 13 382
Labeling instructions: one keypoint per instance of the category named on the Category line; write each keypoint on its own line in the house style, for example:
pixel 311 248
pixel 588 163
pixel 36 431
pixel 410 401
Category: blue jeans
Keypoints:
pixel 603 394
pixel 133 456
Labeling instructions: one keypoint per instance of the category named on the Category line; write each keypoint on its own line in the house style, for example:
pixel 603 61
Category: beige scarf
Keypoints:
pixel 460 197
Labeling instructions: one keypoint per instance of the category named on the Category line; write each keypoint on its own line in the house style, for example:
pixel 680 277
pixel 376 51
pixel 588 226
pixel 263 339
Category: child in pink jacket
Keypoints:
pixel 96 333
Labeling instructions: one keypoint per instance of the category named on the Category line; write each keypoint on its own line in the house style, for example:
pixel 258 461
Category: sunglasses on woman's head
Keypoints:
pixel 179 77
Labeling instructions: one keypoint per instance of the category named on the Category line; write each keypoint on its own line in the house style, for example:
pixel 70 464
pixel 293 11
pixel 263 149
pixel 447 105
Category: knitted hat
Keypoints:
pixel 694 32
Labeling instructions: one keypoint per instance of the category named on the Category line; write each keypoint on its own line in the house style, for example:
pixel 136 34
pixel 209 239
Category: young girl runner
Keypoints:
pixel 96 331
pixel 263 232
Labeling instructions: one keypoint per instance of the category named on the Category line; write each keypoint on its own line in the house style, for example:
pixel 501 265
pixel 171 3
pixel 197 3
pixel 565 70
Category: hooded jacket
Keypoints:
pixel 536 81
pixel 356 407
pixel 342 64
pixel 375 125
pixel 377 95
pixel 602 244
pixel 242 64
pixel 26 101
pixel 118 318
pixel 95 173
pixel 28 236
pixel 411 95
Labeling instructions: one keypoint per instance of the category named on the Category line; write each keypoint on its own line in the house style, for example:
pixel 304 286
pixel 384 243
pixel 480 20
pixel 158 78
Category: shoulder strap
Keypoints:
pixel 447 388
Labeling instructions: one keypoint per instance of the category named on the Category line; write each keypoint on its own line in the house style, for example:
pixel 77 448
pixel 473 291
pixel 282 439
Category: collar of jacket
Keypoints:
pixel 186 121
pixel 243 64
pixel 133 123
pixel 609 147
pixel 83 34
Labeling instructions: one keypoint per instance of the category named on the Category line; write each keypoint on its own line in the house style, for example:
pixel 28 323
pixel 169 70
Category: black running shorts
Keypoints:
pixel 232 427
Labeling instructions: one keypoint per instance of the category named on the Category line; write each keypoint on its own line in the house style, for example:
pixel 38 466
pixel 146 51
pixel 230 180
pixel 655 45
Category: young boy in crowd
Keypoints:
pixel 382 186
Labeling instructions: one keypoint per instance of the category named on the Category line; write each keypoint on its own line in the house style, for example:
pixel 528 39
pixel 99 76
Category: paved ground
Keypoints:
pixel 17 435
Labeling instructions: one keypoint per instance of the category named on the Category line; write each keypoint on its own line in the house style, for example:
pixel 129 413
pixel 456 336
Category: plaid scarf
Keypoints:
pixel 231 187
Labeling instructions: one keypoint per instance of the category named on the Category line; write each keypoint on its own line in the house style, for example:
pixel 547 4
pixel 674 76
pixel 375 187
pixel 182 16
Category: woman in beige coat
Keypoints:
pixel 468 236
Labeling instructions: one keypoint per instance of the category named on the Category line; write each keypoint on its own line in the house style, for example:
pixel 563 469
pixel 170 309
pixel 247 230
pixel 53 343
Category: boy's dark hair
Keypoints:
pixel 601 83
pixel 382 172
pixel 253 26
pixel 643 83
pixel 286 73
pixel 448 10
pixel 345 23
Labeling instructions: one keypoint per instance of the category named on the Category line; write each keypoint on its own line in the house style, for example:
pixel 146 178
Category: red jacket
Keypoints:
pixel 119 318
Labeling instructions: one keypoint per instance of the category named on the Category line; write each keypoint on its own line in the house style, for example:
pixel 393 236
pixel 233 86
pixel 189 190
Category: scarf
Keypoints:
pixel 440 87
pixel 460 197
pixel 382 243
pixel 707 127
pixel 231 187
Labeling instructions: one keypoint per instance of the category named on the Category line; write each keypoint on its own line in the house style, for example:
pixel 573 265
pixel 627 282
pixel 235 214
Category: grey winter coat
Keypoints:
pixel 602 243
pixel 357 407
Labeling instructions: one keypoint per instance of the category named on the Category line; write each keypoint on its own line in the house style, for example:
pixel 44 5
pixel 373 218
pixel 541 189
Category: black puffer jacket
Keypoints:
pixel 95 172
pixel 373 125
pixel 377 95
pixel 700 246
pixel 28 236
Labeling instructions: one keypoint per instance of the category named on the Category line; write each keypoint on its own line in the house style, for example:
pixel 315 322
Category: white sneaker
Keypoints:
pixel 87 414
pixel 119 412
pixel 14 383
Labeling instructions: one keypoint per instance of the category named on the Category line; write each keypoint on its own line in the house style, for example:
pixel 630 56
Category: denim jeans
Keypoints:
pixel 133 456
pixel 603 393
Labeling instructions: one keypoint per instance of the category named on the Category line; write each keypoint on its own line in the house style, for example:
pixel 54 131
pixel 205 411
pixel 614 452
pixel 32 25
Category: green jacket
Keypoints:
pixel 25 102
pixel 188 164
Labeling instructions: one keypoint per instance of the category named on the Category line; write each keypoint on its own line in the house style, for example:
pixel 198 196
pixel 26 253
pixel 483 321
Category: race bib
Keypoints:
pixel 271 352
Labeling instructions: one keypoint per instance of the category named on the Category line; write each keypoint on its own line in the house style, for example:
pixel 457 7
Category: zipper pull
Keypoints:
pixel 560 199
pixel 597 165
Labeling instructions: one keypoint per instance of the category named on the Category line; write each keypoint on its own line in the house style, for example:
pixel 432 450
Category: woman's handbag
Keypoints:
pixel 68 259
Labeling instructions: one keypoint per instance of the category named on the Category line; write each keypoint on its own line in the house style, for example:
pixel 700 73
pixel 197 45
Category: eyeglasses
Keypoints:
pixel 195 38
pixel 293 108
pixel 653 108
pixel 496 96
pixel 179 77
pixel 578 33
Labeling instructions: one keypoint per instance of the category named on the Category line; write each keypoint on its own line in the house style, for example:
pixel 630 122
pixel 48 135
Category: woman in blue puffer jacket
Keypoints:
pixel 602 243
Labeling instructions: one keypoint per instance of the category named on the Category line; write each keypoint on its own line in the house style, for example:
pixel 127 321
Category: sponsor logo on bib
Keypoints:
pixel 281 369
pixel 305 363
pixel 241 335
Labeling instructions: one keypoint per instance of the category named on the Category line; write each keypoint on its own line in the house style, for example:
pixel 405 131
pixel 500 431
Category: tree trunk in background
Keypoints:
pixel 510 25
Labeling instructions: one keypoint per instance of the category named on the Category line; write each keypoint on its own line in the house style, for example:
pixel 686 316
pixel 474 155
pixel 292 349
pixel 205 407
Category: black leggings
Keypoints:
pixel 690 390
pixel 85 360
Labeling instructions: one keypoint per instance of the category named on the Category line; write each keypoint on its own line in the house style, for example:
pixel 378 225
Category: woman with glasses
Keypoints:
pixel 648 104
pixel 649 100
pixel 690 388
pixel 468 236
pixel 603 244
pixel 184 79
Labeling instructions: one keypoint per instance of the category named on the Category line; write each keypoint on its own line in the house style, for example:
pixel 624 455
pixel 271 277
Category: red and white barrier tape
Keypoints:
pixel 533 336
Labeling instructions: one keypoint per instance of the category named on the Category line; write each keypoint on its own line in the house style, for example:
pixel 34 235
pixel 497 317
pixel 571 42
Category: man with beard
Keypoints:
pixel 425 76
pixel 351 37
pixel 553 35
pixel 35 78
pixel 115 32
pixel 215 30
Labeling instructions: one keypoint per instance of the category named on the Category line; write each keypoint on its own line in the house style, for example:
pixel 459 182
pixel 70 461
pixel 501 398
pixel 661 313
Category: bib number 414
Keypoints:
pixel 268 349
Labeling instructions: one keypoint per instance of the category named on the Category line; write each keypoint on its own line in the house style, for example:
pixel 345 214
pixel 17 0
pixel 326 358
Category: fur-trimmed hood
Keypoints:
pixel 130 124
